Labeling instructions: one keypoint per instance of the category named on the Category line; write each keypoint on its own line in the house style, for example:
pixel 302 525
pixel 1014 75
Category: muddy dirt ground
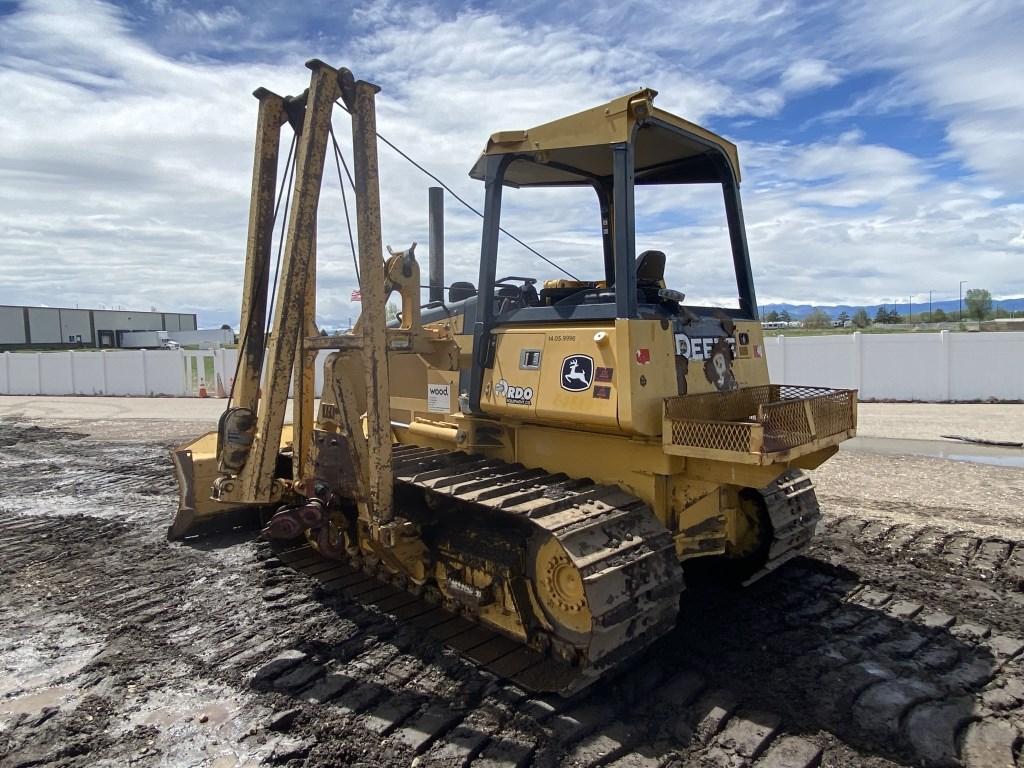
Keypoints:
pixel 899 640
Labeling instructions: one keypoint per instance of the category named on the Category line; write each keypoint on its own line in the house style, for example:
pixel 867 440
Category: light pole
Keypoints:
pixel 910 309
pixel 929 306
pixel 961 317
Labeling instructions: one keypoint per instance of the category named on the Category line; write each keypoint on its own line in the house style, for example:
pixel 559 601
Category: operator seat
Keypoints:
pixel 650 268
pixel 460 291
pixel 650 276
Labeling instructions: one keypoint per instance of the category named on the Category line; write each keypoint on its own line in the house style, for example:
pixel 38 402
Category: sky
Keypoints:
pixel 881 143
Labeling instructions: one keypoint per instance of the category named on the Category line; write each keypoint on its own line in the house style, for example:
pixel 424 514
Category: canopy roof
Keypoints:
pixel 575 150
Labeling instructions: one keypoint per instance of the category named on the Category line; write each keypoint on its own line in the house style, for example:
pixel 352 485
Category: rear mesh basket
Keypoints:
pixel 757 424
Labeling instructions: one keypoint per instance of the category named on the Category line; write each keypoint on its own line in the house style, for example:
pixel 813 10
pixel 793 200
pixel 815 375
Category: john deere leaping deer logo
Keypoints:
pixel 718 366
pixel 577 373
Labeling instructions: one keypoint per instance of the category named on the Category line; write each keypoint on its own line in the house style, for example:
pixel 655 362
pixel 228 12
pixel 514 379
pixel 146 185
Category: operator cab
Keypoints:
pixel 611 149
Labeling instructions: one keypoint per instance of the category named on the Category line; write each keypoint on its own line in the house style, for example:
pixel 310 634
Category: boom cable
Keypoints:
pixel 452 192
pixel 339 161
pixel 280 246
pixel 289 165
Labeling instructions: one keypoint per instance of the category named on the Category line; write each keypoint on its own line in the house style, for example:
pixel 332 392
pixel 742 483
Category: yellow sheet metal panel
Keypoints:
pixel 511 387
pixel 565 374
pixel 745 365
pixel 571 140
pixel 647 349
pixel 636 464
pixel 615 375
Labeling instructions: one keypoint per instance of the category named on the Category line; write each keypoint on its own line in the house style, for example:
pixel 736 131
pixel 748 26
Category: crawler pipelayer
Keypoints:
pixel 539 461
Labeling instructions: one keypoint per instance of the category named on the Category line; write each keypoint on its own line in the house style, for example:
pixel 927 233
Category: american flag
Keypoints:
pixel 357 295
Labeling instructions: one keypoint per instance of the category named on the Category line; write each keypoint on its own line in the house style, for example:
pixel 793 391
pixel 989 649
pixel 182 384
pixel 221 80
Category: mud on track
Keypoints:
pixel 890 645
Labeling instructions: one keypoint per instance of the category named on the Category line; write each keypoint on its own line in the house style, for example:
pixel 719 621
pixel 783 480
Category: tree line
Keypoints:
pixel 977 306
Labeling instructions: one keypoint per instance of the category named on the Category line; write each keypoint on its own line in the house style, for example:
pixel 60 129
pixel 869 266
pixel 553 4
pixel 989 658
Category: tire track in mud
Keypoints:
pixel 373 674
pixel 966 515
pixel 813 664
pixel 895 666
pixel 994 559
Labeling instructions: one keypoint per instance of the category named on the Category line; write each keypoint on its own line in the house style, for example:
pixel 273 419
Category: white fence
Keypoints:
pixel 932 367
pixel 898 366
pixel 175 373
pixel 138 373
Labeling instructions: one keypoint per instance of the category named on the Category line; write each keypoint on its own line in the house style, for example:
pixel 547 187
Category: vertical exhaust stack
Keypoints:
pixel 436 245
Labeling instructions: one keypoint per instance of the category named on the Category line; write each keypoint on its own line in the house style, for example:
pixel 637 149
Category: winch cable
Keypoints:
pixel 280 247
pixel 451 192
pixel 339 161
pixel 286 180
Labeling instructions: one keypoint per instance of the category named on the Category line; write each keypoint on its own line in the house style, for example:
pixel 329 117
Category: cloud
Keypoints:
pixel 807 75
pixel 125 171
pixel 850 222
pixel 204 21
pixel 961 62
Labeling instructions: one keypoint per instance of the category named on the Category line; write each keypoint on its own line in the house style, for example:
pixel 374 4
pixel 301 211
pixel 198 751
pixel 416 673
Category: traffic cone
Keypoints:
pixel 202 389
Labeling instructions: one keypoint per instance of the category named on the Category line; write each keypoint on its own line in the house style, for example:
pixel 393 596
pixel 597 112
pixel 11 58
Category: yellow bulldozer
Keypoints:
pixel 541 460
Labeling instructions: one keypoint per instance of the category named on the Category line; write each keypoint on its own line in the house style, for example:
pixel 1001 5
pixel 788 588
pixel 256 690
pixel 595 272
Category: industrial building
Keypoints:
pixel 62 327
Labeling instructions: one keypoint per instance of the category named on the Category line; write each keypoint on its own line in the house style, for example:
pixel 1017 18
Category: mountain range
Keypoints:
pixel 949 305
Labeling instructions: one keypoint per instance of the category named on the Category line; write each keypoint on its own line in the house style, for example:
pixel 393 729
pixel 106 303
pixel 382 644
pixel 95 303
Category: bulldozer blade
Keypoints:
pixel 195 465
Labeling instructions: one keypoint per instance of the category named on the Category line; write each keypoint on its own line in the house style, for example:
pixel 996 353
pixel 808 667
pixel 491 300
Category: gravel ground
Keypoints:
pixel 924 491
pixel 929 421
pixel 896 641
